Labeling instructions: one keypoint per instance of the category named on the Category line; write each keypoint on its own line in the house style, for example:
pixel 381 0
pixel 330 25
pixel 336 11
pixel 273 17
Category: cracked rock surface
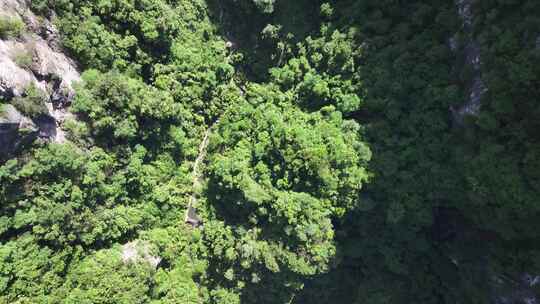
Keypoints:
pixel 476 88
pixel 34 58
pixel 139 252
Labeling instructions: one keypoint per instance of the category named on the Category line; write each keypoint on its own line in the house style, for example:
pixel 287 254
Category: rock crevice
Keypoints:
pixel 475 87
pixel 33 58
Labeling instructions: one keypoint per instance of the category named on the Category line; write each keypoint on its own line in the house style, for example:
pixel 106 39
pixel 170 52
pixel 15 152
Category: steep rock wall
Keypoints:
pixel 33 58
pixel 476 87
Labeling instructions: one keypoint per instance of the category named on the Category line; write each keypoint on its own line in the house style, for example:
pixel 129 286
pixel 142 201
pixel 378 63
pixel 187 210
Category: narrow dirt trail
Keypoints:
pixel 191 215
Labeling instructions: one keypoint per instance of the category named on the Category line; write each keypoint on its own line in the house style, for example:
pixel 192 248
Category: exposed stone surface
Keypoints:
pixel 139 252
pixel 15 129
pixel 50 70
pixel 60 115
pixel 48 63
pixel 10 115
pixel 12 7
pixel 521 290
pixel 530 280
pixel 471 52
pixel 453 43
pixel 465 12
pixel 505 289
pixel 13 78
pixel 191 217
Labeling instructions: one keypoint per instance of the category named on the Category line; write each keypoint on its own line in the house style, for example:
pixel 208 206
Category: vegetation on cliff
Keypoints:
pixel 334 173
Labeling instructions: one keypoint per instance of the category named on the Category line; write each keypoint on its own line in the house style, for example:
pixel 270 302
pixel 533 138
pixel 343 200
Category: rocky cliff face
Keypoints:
pixel 32 57
pixel 505 289
pixel 470 51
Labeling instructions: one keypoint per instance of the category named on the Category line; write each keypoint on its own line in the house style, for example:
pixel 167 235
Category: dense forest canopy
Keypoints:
pixel 318 142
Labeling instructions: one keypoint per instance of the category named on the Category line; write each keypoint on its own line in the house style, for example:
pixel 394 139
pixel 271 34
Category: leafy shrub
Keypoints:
pixel 2 108
pixel 23 59
pixel 266 6
pixel 77 130
pixel 41 6
pixel 32 103
pixel 11 27
pixel 116 104
pixel 289 174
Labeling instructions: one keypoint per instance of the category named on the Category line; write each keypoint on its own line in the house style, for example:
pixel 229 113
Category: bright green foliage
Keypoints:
pixel 30 271
pixel 199 76
pixel 284 149
pixel 337 170
pixel 324 72
pixel 280 176
pixel 11 27
pixel 65 196
pixel 127 35
pixel 124 107
pixel 69 201
pixel 104 278
pixel 176 284
pixel 32 103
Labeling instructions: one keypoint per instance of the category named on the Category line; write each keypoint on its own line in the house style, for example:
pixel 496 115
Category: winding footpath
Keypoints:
pixel 191 216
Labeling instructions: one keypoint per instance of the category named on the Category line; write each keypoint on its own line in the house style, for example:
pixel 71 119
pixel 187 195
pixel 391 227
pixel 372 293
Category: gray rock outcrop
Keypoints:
pixel 15 129
pixel 509 290
pixel 14 78
pixel 139 252
pixel 36 59
pixel 476 88
pixel 505 289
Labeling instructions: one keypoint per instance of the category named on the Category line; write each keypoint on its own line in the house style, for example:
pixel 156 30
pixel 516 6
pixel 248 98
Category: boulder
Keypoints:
pixel 50 70
pixel 15 130
pixel 139 252
pixel 12 7
pixel 465 12
pixel 10 116
pixel 509 290
pixel 55 65
pixel 13 78
pixel 476 88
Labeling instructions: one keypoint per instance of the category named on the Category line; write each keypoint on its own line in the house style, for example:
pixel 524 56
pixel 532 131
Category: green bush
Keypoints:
pixel 2 108
pixel 11 27
pixel 77 131
pixel 32 103
pixel 23 59
pixel 266 6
